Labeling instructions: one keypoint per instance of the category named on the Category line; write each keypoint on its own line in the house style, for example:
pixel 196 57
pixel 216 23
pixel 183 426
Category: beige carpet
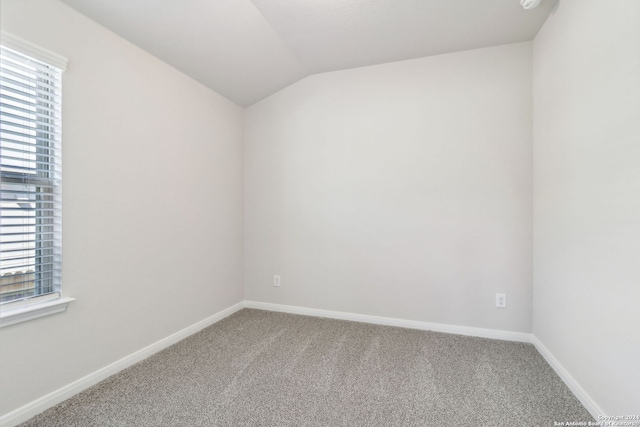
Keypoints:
pixel 257 368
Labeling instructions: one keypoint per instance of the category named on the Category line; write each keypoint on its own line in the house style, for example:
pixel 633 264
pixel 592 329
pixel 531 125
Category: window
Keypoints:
pixel 30 176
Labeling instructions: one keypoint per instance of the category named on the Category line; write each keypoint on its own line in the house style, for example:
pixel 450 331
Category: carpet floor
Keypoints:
pixel 258 368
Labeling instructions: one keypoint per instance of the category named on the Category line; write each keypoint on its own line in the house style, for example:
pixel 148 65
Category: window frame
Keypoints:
pixel 39 305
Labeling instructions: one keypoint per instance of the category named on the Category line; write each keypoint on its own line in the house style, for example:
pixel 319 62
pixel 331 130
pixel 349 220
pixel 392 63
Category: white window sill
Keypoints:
pixel 24 314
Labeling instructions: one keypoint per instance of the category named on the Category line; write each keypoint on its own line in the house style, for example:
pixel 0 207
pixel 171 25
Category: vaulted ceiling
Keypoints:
pixel 247 50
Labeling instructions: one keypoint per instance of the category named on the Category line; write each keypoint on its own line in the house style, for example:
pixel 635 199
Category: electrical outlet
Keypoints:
pixel 501 300
pixel 276 280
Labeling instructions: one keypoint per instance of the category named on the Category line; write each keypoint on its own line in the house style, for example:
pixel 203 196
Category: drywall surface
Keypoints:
pixel 587 196
pixel 400 190
pixel 152 205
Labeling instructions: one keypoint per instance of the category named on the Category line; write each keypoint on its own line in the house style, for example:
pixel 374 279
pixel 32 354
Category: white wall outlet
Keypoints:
pixel 501 300
pixel 276 280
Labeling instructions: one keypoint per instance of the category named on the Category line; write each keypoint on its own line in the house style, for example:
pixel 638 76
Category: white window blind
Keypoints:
pixel 30 171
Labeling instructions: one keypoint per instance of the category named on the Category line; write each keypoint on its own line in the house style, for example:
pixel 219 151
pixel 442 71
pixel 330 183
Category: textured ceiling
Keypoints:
pixel 248 49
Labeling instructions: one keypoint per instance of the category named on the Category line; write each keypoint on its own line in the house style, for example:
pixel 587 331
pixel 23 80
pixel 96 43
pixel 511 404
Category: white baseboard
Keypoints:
pixel 590 405
pixel 584 398
pixel 33 408
pixel 389 321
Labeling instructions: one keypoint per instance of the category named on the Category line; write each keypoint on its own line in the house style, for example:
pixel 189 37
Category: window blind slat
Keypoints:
pixel 13 75
pixel 23 64
pixel 41 139
pixel 31 127
pixel 21 109
pixel 35 119
pixel 36 161
pixel 29 269
pixel 41 108
pixel 21 258
pixel 10 145
pixel 30 82
pixel 26 92
pixel 20 250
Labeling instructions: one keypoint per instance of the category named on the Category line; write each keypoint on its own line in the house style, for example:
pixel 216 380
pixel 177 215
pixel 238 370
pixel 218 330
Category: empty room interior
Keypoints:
pixel 320 213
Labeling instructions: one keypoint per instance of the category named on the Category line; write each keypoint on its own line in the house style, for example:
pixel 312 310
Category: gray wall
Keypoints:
pixel 587 196
pixel 152 205
pixel 399 190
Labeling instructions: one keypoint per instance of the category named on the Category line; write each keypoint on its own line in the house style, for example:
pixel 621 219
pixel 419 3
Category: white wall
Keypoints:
pixel 399 190
pixel 152 205
pixel 587 196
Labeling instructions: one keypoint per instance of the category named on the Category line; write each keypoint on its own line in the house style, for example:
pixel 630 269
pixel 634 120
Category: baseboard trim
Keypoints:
pixel 590 405
pixel 389 321
pixel 33 408
pixel 584 398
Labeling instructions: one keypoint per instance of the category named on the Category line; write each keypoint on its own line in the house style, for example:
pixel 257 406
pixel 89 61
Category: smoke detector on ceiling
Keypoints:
pixel 530 4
